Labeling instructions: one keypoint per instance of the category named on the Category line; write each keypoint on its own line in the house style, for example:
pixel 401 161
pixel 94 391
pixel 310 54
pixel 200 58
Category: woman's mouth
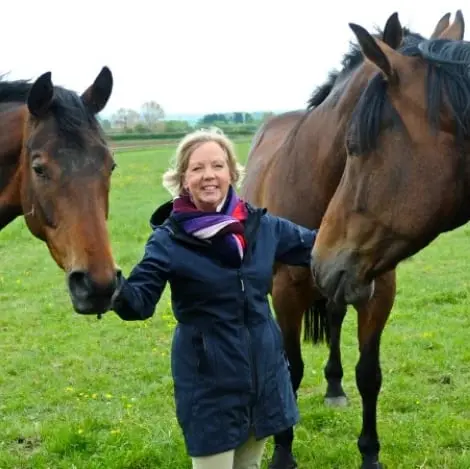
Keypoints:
pixel 209 188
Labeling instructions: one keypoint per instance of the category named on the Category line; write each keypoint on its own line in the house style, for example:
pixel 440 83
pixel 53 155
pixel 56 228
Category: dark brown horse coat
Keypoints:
pixel 295 165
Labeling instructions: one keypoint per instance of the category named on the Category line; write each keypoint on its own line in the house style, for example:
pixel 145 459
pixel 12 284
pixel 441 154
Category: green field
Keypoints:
pixel 78 393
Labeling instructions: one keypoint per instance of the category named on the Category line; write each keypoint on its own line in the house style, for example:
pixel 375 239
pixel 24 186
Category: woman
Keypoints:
pixel 231 379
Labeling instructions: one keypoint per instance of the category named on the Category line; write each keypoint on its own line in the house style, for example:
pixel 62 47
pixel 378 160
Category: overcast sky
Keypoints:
pixel 196 56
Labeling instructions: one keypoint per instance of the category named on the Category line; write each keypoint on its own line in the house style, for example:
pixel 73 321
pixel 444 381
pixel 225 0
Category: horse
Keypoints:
pixel 55 169
pixel 417 141
pixel 304 152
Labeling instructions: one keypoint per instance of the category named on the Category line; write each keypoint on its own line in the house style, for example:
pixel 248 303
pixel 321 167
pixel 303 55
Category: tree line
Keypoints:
pixel 150 119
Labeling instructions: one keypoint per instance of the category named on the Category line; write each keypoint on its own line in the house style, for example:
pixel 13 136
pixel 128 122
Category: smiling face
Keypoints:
pixel 207 177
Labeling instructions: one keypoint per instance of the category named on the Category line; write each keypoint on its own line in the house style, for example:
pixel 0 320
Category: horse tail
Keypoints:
pixel 316 322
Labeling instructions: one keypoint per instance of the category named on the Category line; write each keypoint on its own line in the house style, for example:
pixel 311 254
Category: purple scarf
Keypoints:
pixel 225 228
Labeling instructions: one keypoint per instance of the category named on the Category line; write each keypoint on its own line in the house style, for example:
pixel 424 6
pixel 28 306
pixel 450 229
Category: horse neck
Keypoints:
pixel 335 112
pixel 11 138
pixel 314 154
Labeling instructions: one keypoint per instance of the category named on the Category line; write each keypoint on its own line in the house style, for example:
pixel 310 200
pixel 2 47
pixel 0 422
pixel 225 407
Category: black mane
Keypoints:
pixel 14 91
pixel 71 115
pixel 448 76
pixel 351 60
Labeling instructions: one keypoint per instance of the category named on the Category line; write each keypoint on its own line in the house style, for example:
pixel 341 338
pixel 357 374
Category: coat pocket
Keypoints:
pixel 197 341
pixel 279 355
pixel 206 357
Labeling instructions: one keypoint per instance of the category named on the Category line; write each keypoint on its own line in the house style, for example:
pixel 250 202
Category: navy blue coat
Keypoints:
pixel 228 363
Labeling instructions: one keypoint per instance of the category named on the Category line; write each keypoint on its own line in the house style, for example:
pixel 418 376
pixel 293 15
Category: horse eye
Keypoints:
pixel 39 168
pixel 113 167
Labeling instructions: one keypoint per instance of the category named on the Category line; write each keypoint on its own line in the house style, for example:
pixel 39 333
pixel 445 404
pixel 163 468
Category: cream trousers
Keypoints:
pixel 247 456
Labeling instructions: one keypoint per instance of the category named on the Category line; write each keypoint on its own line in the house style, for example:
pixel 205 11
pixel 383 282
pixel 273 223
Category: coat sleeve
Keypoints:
pixel 294 242
pixel 139 294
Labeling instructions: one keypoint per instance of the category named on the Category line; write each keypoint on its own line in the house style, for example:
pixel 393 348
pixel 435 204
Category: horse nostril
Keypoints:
pixel 80 283
pixel 114 284
pixel 90 295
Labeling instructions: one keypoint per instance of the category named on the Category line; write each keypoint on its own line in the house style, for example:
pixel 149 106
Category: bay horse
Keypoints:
pixel 55 169
pixel 293 169
pixel 407 174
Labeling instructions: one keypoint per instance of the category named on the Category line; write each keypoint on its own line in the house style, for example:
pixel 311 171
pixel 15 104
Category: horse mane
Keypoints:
pixel 448 77
pixel 71 115
pixel 350 61
pixel 15 91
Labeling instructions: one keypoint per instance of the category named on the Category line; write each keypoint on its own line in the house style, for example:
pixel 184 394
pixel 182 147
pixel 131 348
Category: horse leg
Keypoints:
pixel 372 318
pixel 291 297
pixel 323 320
pixel 333 371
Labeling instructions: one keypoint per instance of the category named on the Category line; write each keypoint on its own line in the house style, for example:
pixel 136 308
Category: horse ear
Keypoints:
pixel 441 26
pixel 393 32
pixel 377 52
pixel 41 95
pixel 97 95
pixel 456 30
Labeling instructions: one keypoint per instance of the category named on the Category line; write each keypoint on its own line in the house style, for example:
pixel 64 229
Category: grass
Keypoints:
pixel 78 393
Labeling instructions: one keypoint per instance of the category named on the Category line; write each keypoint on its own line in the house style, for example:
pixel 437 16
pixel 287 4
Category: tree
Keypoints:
pixel 177 126
pixel 213 119
pixel 152 112
pixel 238 117
pixel 105 123
pixel 248 118
pixel 125 118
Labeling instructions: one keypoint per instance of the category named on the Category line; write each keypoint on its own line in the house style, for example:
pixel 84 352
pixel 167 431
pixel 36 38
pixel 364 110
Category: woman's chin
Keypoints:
pixel 207 205
pixel 213 200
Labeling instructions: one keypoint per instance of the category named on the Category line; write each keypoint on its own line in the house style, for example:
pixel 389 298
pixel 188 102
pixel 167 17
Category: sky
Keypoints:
pixel 197 56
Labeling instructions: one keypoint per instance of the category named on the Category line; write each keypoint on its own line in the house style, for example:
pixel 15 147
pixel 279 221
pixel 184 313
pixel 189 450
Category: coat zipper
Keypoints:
pixel 249 234
pixel 254 380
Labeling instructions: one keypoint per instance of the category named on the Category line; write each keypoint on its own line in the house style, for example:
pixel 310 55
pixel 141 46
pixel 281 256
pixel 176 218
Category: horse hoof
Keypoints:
pixel 338 401
pixel 282 459
pixel 372 465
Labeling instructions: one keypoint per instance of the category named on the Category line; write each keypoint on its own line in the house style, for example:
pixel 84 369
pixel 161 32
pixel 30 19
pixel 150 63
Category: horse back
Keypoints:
pixel 265 149
pixel 294 167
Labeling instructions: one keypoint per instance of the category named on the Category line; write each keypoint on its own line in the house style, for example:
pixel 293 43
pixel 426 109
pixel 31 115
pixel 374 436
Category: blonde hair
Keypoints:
pixel 174 176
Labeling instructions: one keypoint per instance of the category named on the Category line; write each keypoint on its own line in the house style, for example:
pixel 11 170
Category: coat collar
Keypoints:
pixel 162 217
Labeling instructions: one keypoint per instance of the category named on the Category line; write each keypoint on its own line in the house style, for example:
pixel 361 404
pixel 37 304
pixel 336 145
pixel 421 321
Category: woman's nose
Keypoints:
pixel 208 173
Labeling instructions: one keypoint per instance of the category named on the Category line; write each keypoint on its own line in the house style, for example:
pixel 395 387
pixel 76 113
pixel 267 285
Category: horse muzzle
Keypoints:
pixel 337 278
pixel 89 296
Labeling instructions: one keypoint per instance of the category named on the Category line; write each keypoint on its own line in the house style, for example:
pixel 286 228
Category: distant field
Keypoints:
pixel 78 393
pixel 151 143
pixel 138 144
